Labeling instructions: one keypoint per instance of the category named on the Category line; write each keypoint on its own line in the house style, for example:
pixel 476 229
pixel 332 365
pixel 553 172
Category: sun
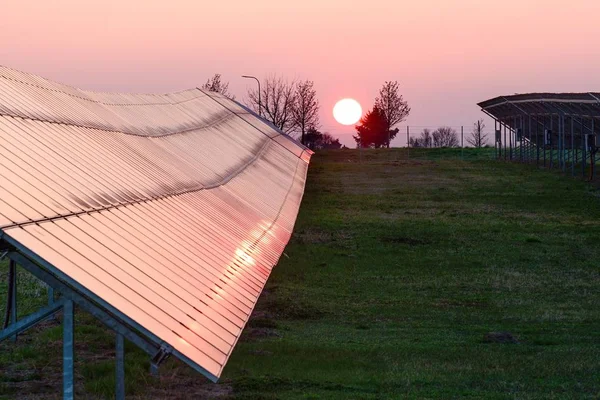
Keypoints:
pixel 347 111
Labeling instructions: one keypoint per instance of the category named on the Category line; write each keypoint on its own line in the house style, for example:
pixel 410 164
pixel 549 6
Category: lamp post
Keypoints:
pixel 259 103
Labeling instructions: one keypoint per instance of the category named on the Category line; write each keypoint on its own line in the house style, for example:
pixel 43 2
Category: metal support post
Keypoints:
pixel 573 160
pixel 544 141
pixel 68 350
pixel 510 142
pixel 561 147
pixel 537 141
pixel 496 144
pixel 120 368
pixel 521 139
pixel 12 266
pixel 593 158
pixel 504 142
pixel 564 134
pixel 551 142
pixel 583 154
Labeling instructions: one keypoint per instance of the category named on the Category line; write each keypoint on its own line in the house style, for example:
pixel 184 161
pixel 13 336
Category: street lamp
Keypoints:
pixel 257 81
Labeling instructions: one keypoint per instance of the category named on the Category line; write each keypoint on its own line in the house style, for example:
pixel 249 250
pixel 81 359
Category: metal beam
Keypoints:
pixel 68 351
pixel 30 320
pixel 120 367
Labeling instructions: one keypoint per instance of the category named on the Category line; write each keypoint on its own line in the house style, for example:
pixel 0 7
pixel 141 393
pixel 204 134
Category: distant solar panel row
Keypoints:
pixel 170 208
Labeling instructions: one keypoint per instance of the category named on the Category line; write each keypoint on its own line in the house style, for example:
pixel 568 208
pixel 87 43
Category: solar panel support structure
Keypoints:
pixel 66 302
pixel 564 119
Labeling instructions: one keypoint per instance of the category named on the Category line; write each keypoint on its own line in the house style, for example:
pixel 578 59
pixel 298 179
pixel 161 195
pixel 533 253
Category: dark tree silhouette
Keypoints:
pixel 478 137
pixel 215 84
pixel 393 107
pixel 278 98
pixel 425 140
pixel 445 137
pixel 306 108
pixel 372 130
pixel 316 140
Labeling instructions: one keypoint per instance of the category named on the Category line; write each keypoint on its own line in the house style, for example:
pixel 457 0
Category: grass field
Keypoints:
pixel 427 278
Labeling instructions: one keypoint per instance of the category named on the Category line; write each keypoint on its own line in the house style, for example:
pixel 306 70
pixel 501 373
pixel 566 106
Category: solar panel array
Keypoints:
pixel 172 208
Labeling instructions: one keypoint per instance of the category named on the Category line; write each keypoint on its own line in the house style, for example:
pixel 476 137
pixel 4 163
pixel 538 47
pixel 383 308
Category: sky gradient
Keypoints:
pixel 447 54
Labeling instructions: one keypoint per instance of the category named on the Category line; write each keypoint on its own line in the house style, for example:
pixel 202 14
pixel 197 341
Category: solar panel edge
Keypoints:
pixel 305 174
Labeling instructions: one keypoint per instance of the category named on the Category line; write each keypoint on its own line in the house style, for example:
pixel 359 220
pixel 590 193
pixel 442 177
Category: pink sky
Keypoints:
pixel 446 54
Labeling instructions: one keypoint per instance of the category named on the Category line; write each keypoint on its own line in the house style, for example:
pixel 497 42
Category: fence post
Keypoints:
pixel 462 146
pixel 407 141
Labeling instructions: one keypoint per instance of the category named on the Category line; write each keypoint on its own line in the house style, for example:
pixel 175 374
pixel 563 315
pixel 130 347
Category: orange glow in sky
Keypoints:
pixel 447 55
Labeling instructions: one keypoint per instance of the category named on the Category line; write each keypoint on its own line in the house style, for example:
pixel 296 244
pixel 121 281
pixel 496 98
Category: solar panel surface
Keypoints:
pixel 171 209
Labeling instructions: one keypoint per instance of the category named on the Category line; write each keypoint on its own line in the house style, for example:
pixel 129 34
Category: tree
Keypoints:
pixel 425 140
pixel 316 140
pixel 478 137
pixel 393 106
pixel 445 137
pixel 215 84
pixel 306 108
pixel 372 130
pixel 278 98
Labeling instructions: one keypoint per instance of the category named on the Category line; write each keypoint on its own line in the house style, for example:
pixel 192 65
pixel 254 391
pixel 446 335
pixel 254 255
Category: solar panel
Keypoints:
pixel 171 210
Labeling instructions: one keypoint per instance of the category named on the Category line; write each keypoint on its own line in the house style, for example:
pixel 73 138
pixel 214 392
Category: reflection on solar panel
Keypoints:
pixel 168 211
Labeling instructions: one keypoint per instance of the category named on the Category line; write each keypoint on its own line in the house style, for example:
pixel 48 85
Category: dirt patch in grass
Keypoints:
pixel 316 236
pixel 181 386
pixel 250 334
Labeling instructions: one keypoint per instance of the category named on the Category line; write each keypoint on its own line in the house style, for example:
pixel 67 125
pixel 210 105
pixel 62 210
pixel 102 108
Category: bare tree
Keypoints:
pixel 445 137
pixel 306 108
pixel 278 97
pixel 393 106
pixel 425 140
pixel 478 137
pixel 215 84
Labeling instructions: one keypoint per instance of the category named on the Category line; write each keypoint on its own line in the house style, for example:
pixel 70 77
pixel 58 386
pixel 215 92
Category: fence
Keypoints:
pixel 440 142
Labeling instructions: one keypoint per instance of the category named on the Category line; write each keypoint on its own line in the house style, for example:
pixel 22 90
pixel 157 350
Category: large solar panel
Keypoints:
pixel 171 210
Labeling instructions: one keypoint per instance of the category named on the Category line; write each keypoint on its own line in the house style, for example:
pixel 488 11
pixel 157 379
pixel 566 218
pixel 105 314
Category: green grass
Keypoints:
pixel 397 271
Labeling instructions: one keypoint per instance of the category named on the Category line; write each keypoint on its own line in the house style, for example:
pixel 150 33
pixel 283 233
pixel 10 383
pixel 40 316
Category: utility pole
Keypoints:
pixel 259 103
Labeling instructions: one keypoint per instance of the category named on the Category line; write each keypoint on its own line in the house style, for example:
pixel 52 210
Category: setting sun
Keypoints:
pixel 347 111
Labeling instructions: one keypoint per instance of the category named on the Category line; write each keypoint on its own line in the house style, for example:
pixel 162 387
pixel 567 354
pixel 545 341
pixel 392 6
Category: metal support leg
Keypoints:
pixel 573 159
pixel 593 160
pixel 120 368
pixel 13 294
pixel 68 361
